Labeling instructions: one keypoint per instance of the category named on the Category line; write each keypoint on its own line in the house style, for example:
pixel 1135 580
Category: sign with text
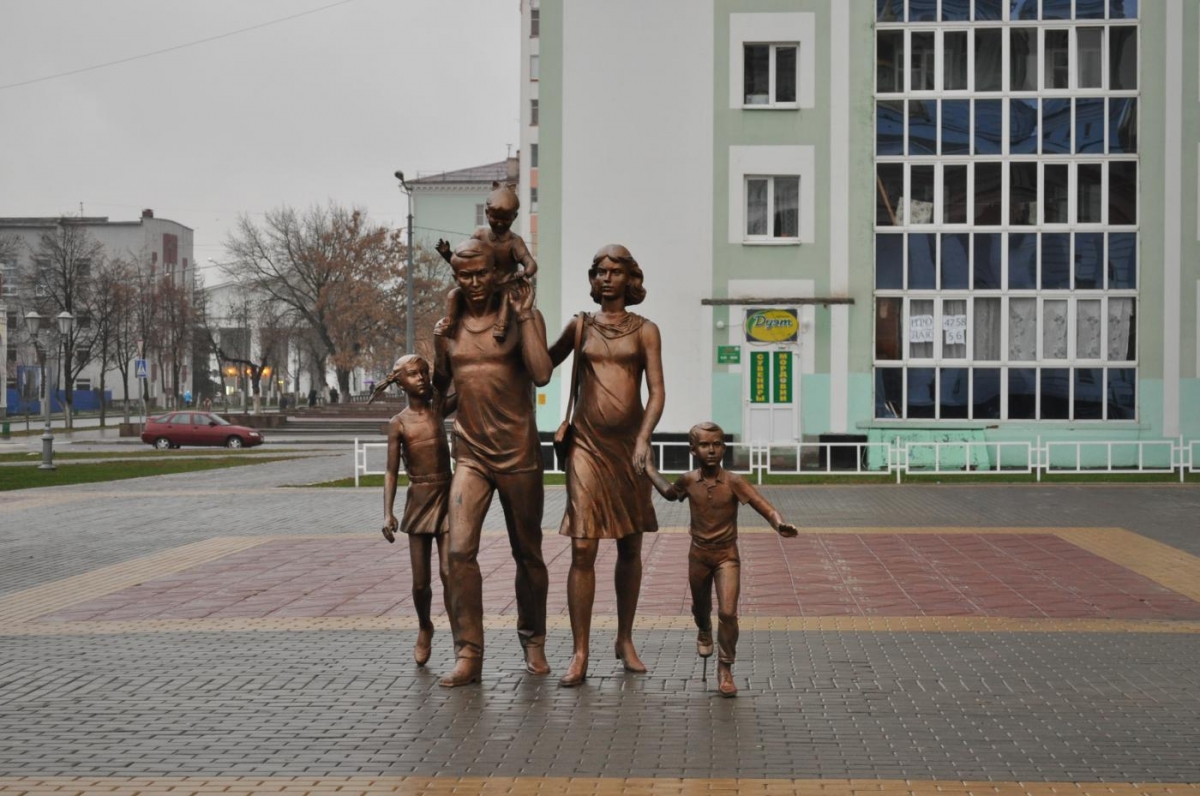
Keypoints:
pixel 920 329
pixel 783 377
pixel 771 326
pixel 955 328
pixel 760 377
pixel 729 355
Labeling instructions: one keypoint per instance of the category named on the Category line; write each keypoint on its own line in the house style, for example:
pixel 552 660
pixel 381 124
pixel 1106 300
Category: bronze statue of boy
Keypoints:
pixel 509 251
pixel 713 496
pixel 417 436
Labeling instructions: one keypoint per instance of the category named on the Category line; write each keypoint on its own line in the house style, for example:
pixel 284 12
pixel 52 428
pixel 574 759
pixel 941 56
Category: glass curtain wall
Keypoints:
pixel 1006 213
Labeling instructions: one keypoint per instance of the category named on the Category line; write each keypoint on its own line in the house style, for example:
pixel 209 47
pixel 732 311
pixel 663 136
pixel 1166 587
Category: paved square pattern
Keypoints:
pixel 912 640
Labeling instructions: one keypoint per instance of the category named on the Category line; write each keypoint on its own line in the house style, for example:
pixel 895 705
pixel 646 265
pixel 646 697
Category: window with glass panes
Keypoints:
pixel 1006 212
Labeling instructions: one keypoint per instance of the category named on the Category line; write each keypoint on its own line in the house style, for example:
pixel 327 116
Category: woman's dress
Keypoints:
pixel 606 499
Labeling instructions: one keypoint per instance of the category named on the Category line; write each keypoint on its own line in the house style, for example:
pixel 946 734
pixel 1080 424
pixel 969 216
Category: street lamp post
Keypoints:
pixel 408 326
pixel 33 322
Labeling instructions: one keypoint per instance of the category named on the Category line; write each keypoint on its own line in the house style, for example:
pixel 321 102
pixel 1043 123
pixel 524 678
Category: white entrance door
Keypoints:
pixel 777 418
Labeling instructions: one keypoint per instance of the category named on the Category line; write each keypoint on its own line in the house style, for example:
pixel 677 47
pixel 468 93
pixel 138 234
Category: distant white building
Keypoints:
pixel 166 246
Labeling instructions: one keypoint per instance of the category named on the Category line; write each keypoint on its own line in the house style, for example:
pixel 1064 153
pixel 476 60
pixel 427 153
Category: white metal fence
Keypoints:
pixel 897 457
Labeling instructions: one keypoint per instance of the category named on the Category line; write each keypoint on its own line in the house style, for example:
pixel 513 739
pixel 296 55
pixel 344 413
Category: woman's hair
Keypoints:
pixel 635 292
pixel 708 425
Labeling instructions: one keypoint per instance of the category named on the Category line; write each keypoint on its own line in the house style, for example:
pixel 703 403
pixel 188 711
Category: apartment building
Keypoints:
pixel 920 219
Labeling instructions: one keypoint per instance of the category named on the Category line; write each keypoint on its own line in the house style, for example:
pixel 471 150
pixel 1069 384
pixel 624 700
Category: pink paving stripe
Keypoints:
pixel 997 575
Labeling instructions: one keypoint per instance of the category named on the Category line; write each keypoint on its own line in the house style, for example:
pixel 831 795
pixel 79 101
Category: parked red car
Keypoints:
pixel 197 428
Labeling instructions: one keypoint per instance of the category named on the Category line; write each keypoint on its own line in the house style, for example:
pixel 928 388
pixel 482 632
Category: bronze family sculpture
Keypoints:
pixel 609 448
pixel 492 348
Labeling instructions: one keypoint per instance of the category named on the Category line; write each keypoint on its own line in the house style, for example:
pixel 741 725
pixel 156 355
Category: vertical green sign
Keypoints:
pixel 760 377
pixel 783 377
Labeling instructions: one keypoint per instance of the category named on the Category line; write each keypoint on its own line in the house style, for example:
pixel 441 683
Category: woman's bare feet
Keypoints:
pixel 628 656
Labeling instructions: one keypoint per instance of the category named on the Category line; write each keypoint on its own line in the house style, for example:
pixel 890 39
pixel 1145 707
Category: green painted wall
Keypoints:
pixel 811 127
pixel 862 205
pixel 736 127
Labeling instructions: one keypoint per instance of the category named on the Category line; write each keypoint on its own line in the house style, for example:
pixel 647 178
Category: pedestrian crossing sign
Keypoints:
pixel 139 369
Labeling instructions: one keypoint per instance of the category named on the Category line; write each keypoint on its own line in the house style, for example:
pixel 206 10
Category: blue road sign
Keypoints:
pixel 140 370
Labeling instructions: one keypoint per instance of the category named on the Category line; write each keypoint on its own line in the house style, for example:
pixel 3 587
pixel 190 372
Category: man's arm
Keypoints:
pixel 565 344
pixel 533 336
pixel 449 404
pixel 442 372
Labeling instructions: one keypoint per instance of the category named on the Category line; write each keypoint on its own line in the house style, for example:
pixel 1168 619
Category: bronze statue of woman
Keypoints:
pixel 607 497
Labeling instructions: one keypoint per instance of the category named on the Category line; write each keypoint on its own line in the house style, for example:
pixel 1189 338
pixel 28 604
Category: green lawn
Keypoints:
pixel 88 473
pixel 376 481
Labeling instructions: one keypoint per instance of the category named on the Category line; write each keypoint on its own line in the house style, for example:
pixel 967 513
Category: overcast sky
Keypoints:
pixel 323 106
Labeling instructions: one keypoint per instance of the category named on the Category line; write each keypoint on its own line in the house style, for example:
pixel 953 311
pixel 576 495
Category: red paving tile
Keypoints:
pixel 1000 575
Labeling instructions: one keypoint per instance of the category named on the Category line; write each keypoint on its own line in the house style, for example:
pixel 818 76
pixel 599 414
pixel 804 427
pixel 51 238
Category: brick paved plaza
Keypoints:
pixel 215 632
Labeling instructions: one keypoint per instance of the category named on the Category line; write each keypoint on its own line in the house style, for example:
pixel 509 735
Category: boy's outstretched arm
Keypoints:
pixel 770 513
pixel 664 487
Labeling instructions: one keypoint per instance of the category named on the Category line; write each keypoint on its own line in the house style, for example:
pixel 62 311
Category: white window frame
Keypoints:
pixel 534 67
pixel 771 161
pixel 781 28
pixel 770 236
pixel 772 103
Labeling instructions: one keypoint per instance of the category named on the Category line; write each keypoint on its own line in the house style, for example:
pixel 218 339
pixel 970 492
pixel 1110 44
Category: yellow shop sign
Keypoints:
pixel 771 326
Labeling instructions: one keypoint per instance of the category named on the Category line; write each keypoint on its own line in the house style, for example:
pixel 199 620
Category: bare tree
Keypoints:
pixel 336 272
pixel 262 343
pixel 110 307
pixel 124 325
pixel 61 279
pixel 175 315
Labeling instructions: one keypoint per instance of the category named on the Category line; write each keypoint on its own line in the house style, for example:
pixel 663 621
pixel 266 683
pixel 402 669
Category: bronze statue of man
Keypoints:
pixel 496 450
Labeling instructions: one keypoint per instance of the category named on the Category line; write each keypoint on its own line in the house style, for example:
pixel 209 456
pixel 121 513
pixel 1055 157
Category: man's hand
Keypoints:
pixel 443 248
pixel 390 524
pixel 522 293
pixel 787 530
